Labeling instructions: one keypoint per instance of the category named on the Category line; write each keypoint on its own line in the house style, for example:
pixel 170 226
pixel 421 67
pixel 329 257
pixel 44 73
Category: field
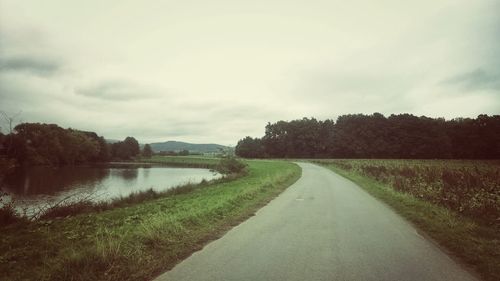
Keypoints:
pixel 456 203
pixel 185 161
pixel 471 188
pixel 140 240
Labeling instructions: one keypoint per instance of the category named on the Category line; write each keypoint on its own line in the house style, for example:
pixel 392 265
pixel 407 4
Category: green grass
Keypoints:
pixel 474 243
pixel 185 161
pixel 138 241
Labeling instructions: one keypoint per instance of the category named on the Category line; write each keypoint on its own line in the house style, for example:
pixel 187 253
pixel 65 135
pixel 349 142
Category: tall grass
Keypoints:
pixel 454 202
pixel 471 188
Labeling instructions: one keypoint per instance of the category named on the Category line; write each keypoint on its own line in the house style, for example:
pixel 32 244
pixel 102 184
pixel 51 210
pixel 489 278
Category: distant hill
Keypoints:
pixel 192 147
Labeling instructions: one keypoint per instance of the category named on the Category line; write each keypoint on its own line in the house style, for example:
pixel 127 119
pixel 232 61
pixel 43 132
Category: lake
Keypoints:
pixel 35 187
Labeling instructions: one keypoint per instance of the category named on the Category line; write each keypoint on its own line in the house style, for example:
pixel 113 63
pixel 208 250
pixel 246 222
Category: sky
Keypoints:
pixel 217 71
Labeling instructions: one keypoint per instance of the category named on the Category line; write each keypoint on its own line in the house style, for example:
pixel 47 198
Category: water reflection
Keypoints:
pixel 36 186
pixel 145 172
pixel 129 174
pixel 48 181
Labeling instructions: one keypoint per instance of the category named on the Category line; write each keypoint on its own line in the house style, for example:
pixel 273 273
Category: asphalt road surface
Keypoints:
pixel 323 227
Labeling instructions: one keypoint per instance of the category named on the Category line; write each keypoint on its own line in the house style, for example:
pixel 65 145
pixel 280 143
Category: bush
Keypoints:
pixel 230 165
pixel 67 209
pixel 8 214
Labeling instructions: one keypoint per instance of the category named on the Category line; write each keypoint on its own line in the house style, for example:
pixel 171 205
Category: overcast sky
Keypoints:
pixel 216 71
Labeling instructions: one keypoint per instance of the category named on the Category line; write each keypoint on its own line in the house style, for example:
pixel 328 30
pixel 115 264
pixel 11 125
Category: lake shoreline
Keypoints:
pixel 137 241
pixel 35 189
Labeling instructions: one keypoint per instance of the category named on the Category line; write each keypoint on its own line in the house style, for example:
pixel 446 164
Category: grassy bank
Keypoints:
pixel 230 168
pixel 474 240
pixel 185 161
pixel 138 241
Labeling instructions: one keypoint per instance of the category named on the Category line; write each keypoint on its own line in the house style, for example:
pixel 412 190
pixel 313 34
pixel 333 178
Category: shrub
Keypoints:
pixel 68 209
pixel 471 188
pixel 8 213
pixel 230 165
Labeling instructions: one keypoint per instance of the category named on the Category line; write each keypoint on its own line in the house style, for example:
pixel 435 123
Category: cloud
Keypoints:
pixel 478 79
pixel 118 90
pixel 28 51
pixel 218 72
pixel 328 90
pixel 34 65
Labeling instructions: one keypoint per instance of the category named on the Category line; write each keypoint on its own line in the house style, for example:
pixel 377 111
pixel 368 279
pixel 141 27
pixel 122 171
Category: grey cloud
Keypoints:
pixel 185 123
pixel 30 64
pixel 118 90
pixel 319 64
pixel 360 83
pixel 478 79
pixel 231 110
pixel 25 50
pixel 162 129
pixel 328 90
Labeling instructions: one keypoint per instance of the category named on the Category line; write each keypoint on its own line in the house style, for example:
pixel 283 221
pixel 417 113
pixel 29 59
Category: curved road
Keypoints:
pixel 323 227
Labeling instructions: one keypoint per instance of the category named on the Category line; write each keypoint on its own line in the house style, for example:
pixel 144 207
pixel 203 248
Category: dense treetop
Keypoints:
pixel 377 136
pixel 49 144
pixel 147 152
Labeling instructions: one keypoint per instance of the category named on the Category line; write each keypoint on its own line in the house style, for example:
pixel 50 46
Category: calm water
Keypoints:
pixel 38 186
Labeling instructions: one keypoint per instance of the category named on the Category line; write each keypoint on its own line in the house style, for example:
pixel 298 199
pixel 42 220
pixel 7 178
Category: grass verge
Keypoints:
pixel 185 161
pixel 474 244
pixel 138 241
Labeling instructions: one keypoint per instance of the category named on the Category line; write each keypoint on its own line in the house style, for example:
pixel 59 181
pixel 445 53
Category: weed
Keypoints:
pixel 454 202
pixel 471 188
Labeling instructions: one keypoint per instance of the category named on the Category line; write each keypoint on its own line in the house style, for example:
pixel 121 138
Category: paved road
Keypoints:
pixel 324 227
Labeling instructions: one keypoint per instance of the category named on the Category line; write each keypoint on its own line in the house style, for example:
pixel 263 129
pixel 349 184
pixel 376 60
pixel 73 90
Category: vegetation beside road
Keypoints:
pixel 455 202
pixel 137 241
pixel 185 161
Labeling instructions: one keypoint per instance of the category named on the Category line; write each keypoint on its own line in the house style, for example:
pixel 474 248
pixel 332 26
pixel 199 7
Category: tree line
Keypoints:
pixel 49 144
pixel 402 136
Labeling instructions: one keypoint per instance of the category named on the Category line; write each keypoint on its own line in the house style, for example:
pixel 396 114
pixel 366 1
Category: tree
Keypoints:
pixel 375 136
pixel 132 145
pixel 49 144
pixel 126 149
pixel 9 120
pixel 250 148
pixel 275 140
pixel 147 151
